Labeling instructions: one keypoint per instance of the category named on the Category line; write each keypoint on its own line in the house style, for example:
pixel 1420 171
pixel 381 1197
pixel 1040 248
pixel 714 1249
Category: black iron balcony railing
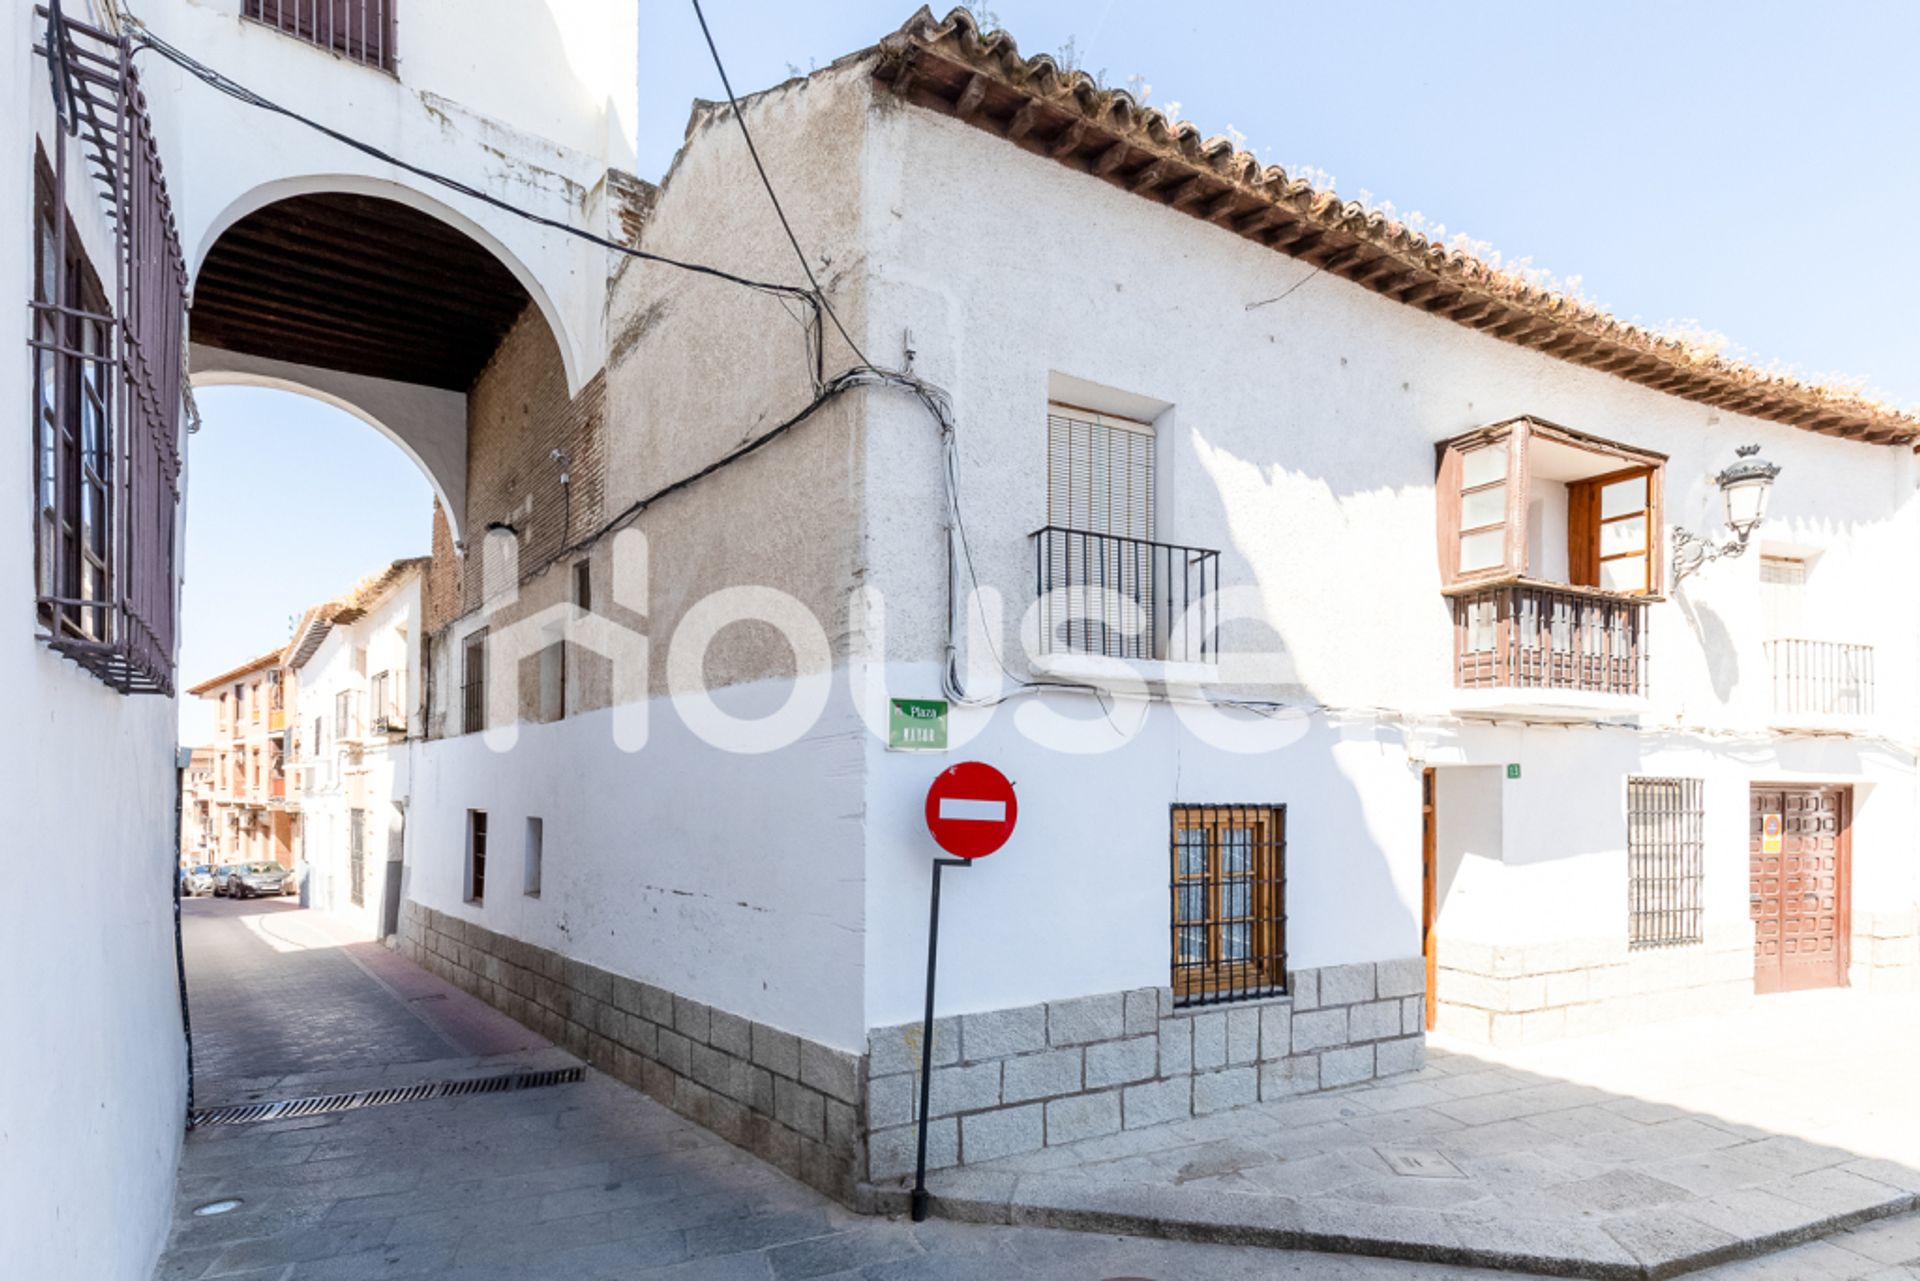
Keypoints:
pixel 359 30
pixel 1549 636
pixel 1821 678
pixel 1125 597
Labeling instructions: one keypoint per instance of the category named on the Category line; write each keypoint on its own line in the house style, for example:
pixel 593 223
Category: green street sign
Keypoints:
pixel 1513 771
pixel 917 725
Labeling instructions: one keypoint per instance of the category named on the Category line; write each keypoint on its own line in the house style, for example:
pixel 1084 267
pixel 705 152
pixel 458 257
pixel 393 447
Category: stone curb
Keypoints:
pixel 1423 1236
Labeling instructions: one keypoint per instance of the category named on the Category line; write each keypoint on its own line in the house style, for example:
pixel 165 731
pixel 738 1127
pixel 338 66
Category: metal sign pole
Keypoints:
pixel 926 1040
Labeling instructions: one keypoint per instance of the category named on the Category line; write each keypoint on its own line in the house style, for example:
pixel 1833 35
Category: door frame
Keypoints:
pixel 1429 885
pixel 1842 872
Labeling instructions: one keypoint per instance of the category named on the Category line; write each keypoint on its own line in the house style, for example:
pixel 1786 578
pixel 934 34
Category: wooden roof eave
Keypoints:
pixel 982 82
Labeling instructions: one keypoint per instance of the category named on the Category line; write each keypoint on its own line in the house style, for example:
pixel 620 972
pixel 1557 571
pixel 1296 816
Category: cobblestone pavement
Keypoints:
pixel 1665 1147
pixel 278 992
pixel 594 1182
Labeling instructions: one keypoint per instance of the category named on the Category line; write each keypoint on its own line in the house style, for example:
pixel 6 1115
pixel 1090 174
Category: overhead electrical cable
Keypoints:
pixel 767 182
pixel 240 93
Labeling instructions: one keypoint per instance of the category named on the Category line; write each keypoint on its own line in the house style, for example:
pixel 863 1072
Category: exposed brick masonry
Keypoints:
pixel 518 413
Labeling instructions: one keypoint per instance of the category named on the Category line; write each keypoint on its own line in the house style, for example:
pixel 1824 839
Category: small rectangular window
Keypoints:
pixel 536 848
pixel 1665 852
pixel 473 683
pixel 359 30
pixel 1229 902
pixel 583 585
pixel 476 856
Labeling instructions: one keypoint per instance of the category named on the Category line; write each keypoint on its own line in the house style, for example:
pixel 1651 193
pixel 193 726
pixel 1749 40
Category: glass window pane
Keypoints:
pixel 1236 943
pixel 1483 507
pixel 1623 496
pixel 1626 575
pixel 1193 945
pixel 1485 550
pixel 1236 851
pixel 1236 899
pixel 1619 537
pixel 1193 901
pixel 1193 851
pixel 1483 466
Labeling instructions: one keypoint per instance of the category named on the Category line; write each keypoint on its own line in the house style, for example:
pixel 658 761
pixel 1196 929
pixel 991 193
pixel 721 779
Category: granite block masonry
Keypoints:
pixel 794 1103
pixel 1095 1065
pixel 1004 1081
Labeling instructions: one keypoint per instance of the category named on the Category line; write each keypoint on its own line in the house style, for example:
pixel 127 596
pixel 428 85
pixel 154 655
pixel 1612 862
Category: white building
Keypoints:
pixel 357 658
pixel 1376 551
pixel 312 266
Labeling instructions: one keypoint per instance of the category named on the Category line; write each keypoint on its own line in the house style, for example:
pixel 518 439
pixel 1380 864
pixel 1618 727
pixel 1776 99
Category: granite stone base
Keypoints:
pixel 792 1102
pixel 1016 1080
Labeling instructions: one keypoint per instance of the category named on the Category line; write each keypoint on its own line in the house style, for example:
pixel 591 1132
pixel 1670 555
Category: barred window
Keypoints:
pixel 1229 902
pixel 1665 844
pixel 108 375
pixel 359 30
pixel 473 683
pixel 73 360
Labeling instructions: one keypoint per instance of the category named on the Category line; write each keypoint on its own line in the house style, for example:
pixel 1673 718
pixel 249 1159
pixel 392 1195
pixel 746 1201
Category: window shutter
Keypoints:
pixel 1099 473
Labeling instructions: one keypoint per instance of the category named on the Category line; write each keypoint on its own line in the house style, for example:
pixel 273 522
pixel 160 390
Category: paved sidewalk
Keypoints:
pixel 1639 1154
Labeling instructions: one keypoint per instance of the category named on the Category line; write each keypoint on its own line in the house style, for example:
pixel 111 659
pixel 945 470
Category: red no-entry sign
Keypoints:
pixel 971 809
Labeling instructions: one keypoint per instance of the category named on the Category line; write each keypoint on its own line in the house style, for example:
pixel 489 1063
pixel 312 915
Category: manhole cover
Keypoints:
pixel 1419 1163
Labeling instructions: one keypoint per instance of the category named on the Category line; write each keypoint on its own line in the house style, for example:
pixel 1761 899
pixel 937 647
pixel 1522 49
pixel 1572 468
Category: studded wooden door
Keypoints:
pixel 1799 849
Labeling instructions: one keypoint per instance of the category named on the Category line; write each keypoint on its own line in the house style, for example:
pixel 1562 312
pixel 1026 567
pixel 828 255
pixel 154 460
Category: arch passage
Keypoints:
pixel 357 284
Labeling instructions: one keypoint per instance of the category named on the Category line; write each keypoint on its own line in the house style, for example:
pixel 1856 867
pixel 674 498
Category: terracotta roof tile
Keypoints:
pixel 951 66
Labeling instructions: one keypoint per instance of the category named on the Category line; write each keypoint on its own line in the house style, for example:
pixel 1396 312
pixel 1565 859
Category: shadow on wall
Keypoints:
pixel 1716 642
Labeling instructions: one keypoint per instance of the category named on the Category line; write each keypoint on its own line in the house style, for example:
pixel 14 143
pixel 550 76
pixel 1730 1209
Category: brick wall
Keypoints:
pixel 790 1101
pixel 518 413
pixel 440 588
pixel 1017 1080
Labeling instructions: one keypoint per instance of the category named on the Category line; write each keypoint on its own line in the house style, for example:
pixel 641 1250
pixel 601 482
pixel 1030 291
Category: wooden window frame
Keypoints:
pixel 1263 973
pixel 1583 518
pixel 75 445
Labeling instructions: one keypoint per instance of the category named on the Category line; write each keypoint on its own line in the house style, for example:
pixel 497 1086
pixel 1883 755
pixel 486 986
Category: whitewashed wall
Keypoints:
pixel 377 781
pixel 1299 441
pixel 89 997
pixel 531 101
pixel 732 879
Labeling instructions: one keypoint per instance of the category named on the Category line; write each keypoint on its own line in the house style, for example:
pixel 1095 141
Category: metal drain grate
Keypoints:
pixel 288 1109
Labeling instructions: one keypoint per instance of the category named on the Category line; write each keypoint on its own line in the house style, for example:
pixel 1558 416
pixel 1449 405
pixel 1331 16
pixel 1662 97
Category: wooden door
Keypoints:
pixel 1799 854
pixel 1429 888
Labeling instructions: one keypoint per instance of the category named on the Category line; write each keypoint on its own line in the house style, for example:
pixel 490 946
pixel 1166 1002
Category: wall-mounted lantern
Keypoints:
pixel 1744 488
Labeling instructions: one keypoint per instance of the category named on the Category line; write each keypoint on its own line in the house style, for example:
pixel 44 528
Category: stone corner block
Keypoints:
pixel 834 1073
pixel 897 1049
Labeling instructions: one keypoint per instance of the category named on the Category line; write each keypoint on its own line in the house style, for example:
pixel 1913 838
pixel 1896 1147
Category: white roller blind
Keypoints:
pixel 1099 473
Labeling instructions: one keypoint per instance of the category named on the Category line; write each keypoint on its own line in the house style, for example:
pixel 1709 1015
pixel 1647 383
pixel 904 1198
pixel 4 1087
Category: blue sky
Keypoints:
pixel 1751 167
pixel 289 503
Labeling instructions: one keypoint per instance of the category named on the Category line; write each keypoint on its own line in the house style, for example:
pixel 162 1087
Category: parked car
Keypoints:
pixel 221 875
pixel 198 880
pixel 249 879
